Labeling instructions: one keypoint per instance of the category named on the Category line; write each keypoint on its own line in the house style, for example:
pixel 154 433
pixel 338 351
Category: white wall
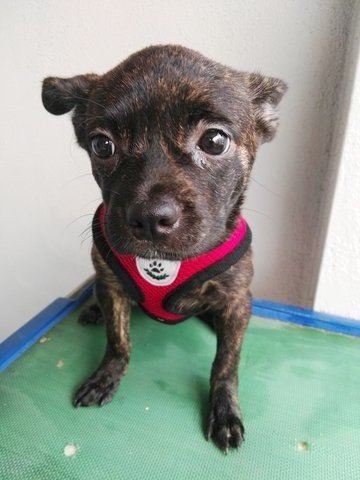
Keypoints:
pixel 44 178
pixel 338 288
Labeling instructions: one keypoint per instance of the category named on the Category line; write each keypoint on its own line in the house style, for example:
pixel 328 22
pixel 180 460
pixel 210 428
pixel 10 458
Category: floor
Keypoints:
pixel 299 392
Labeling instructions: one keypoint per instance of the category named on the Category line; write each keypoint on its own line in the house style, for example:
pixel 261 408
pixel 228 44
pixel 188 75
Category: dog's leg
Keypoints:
pixel 224 423
pixel 116 308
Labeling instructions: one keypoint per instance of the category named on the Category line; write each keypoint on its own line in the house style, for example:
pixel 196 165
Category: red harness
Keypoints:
pixel 156 285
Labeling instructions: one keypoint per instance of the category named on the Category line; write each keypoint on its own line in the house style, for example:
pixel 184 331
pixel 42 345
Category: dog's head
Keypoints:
pixel 172 138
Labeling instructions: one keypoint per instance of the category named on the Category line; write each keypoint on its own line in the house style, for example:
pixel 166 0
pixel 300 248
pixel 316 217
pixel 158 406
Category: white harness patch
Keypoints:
pixel 158 272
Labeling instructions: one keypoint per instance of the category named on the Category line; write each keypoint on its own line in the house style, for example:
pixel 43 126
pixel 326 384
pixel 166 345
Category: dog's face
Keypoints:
pixel 172 137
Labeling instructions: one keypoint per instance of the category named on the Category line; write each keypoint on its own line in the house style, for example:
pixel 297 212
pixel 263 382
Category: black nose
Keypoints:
pixel 152 220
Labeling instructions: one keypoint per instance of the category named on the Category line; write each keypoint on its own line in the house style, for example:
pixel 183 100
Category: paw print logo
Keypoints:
pixel 156 270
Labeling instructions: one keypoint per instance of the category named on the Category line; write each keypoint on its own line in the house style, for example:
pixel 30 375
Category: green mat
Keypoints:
pixel 299 392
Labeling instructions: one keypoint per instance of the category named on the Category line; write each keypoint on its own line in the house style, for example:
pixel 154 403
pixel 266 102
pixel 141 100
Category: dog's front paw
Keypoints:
pixel 91 315
pixel 224 425
pixel 98 389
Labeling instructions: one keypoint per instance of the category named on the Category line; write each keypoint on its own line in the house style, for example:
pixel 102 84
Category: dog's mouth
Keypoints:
pixel 179 246
pixel 148 249
pixel 182 244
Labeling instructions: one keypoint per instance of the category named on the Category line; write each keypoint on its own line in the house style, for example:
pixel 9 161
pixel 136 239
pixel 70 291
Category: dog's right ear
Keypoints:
pixel 60 95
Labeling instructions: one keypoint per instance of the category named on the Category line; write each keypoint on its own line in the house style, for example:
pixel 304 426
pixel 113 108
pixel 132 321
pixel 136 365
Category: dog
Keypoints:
pixel 172 137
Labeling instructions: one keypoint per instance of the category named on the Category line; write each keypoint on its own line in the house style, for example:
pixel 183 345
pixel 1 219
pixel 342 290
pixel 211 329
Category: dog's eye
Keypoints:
pixel 102 146
pixel 214 142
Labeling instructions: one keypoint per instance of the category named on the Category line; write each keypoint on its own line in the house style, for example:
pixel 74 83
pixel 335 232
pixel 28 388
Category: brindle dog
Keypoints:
pixel 172 138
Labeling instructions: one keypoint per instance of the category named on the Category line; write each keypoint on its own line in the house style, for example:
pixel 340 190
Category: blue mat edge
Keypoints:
pixel 306 317
pixel 12 347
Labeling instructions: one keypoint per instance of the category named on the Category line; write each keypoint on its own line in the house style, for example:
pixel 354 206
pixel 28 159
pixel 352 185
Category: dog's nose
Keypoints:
pixel 149 221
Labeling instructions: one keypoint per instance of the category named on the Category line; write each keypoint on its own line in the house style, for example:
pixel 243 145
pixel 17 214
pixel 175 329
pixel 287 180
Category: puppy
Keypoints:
pixel 172 138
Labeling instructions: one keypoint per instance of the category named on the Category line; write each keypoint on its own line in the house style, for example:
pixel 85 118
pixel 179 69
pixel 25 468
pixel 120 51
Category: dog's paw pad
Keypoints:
pixel 95 391
pixel 225 427
pixel 91 316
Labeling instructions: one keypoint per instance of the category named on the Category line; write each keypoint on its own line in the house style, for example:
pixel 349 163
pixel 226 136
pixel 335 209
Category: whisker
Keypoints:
pixel 86 230
pixel 266 188
pixel 77 178
pixel 115 244
pixel 260 213
pixel 114 192
pixel 78 218
pixel 92 201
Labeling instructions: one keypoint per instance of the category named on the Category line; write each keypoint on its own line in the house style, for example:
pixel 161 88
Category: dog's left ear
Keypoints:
pixel 266 93
pixel 60 95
